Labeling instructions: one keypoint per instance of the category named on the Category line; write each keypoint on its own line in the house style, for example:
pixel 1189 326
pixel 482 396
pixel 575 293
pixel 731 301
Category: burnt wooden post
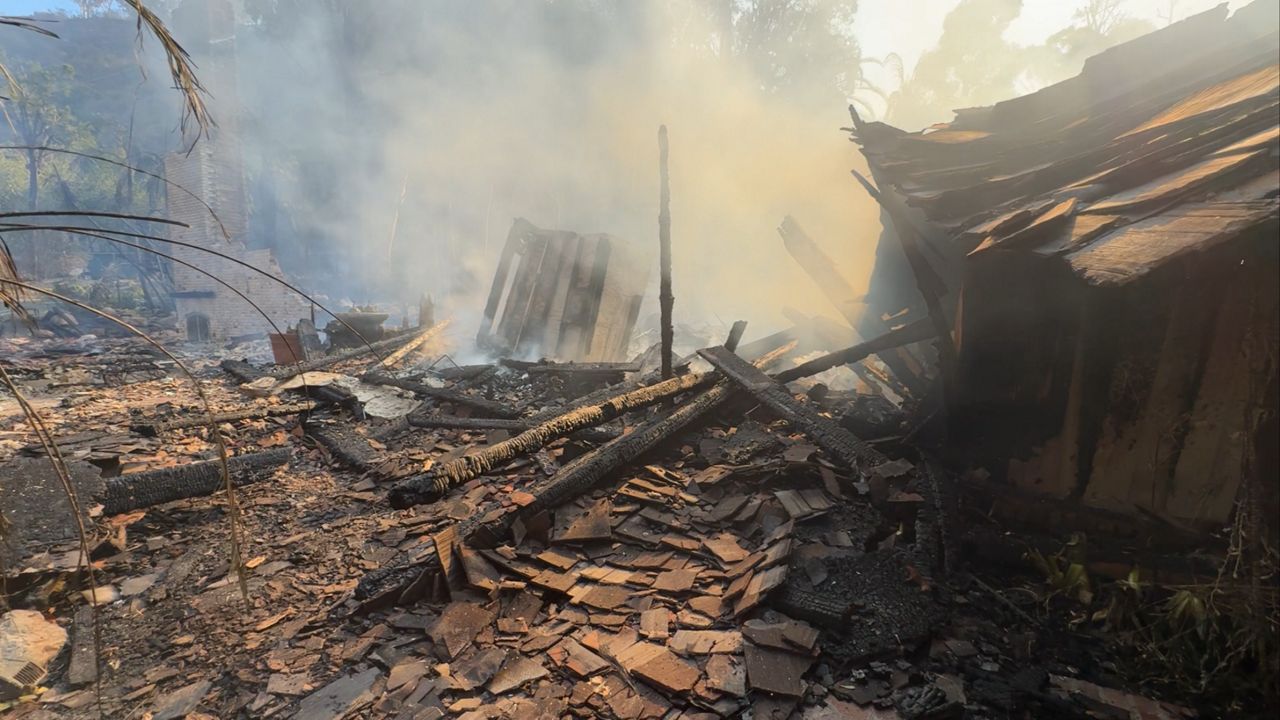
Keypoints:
pixel 665 299
pixel 735 335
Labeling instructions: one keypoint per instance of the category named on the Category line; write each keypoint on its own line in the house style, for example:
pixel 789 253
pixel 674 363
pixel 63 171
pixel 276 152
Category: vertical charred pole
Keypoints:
pixel 665 299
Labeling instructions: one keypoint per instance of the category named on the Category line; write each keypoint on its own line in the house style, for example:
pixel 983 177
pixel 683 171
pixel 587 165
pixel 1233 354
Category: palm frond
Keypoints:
pixel 181 69
pixel 27 23
pixel 11 294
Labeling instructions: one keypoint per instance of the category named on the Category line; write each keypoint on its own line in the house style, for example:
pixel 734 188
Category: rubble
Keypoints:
pixel 28 644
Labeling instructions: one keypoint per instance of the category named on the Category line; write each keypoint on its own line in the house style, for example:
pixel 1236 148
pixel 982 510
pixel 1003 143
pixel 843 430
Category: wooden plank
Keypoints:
pixel 735 334
pixel 534 329
pixel 655 623
pixel 1208 473
pixel 1135 250
pixel 511 324
pixel 479 573
pixel 574 323
pixel 590 526
pixel 595 294
pixel 83 667
pixel 499 283
pixel 820 267
pixel 776 671
pixel 706 642
pixel 560 296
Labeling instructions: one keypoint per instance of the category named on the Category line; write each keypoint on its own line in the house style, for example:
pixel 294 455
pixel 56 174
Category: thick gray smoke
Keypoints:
pixel 447 120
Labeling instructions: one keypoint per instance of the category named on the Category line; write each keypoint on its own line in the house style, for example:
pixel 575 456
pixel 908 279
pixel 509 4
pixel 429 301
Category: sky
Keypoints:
pixel 907 27
pixel 23 7
pixel 883 26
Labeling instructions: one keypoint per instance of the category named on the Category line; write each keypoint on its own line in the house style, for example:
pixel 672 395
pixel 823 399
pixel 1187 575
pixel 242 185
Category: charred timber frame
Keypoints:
pixel 928 283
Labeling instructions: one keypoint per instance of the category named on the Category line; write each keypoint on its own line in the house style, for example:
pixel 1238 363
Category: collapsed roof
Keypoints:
pixel 1162 146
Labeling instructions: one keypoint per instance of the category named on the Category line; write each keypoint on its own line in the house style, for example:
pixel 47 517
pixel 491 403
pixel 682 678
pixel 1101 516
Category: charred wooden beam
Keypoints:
pixel 288 371
pixel 394 358
pixel 569 368
pixel 478 404
pixel 824 431
pixel 463 373
pixel 453 422
pixel 606 368
pixel 598 396
pixel 431 486
pixel 346 446
pixel 823 609
pixel 153 487
pixel 819 266
pixel 242 371
pixel 198 420
pixel 735 335
pixel 905 335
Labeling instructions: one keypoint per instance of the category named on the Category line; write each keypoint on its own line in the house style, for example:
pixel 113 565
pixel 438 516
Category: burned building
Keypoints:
pixel 1107 247
pixel 213 172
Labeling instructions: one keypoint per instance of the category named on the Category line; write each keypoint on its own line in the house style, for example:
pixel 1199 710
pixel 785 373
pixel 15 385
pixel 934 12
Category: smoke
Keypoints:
pixel 478 113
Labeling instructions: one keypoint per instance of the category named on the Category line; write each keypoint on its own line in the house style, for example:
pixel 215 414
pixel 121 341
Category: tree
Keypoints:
pixel 99 8
pixel 797 47
pixel 38 115
pixel 974 65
